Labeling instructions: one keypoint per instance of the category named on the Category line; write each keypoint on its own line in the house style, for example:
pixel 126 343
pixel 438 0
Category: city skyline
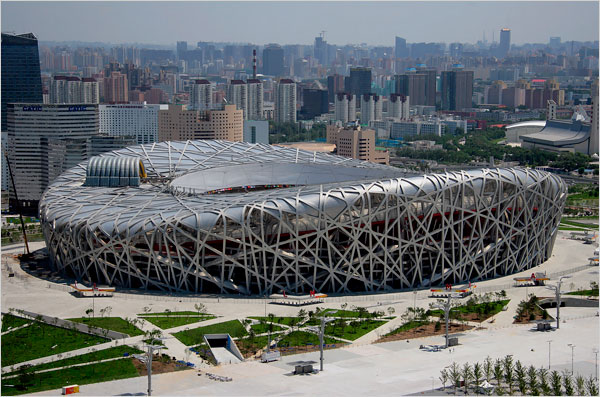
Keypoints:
pixel 375 23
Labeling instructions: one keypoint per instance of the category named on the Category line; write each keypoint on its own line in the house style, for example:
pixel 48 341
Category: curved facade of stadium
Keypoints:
pixel 225 217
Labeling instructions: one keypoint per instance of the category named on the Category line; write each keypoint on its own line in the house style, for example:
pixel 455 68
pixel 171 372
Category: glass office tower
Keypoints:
pixel 21 78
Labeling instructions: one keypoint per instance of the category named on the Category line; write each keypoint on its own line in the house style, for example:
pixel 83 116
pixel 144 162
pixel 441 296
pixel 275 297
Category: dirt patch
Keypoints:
pixel 159 366
pixel 423 331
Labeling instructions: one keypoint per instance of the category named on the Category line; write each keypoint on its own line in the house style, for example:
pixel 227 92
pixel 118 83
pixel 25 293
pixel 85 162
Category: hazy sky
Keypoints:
pixel 299 22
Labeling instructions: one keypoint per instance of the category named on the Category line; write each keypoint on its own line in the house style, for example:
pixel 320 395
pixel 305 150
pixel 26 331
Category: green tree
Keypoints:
pixel 488 366
pixel 556 383
pixel 532 381
pixel 568 383
pixel 508 372
pixel 477 375
pixel 580 383
pixel 591 385
pixel 200 308
pixel 544 386
pixel 443 378
pixel 455 374
pixel 467 375
pixel 498 371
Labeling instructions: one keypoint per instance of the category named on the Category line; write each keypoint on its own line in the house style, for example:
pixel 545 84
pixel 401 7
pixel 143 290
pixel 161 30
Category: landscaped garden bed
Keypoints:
pixel 195 336
pixel 112 323
pixel 41 340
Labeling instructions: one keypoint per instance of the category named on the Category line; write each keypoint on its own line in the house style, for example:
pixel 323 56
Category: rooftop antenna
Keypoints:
pixel 322 34
pixel 254 64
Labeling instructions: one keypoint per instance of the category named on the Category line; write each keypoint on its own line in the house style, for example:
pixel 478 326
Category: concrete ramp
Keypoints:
pixel 224 356
pixel 223 348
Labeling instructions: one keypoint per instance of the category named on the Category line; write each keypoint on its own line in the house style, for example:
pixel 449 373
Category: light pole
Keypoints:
pixel 151 349
pixel 595 351
pixel 446 307
pixel 556 289
pixel 323 321
pixel 572 346
pixel 549 342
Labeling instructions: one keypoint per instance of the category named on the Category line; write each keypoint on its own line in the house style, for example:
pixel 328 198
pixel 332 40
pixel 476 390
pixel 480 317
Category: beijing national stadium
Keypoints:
pixel 231 217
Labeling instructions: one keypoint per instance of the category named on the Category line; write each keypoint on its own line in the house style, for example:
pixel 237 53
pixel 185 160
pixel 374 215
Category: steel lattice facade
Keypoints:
pixel 303 221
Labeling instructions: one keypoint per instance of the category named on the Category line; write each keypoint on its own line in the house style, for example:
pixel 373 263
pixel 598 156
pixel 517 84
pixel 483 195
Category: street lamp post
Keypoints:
pixel 595 351
pixel 549 342
pixel 446 307
pixel 323 321
pixel 556 289
pixel 572 346
pixel 150 353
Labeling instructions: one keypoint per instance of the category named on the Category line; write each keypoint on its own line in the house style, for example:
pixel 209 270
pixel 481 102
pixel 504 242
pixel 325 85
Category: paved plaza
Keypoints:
pixel 394 367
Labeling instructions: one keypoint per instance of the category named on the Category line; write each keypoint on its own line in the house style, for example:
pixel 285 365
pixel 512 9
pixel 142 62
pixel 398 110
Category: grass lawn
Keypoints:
pixel 41 340
pixel 195 336
pixel 111 352
pixel 352 329
pixel 249 347
pixel 113 323
pixel 164 322
pixel 279 320
pixel 302 338
pixel 262 328
pixel 585 292
pixel 407 326
pixel 476 312
pixel 338 313
pixel 181 313
pixel 10 321
pixel 86 374
pixel 579 224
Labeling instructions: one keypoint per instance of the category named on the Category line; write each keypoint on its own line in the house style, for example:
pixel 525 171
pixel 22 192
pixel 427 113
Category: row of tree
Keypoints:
pixel 510 376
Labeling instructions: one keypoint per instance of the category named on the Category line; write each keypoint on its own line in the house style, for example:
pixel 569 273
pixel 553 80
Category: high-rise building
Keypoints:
pixel 371 107
pixel 430 84
pixel 179 124
pixel 181 49
pixel 399 106
pixel 255 99
pixel 315 103
pixel 71 89
pixel 273 60
pixel 115 88
pixel 21 78
pixel 551 110
pixel 285 101
pixel 504 46
pixel 31 127
pixel 401 48
pixel 5 174
pixel 201 95
pixel 335 84
pixel 359 81
pixel 457 89
pixel 594 138
pixel 345 107
pixel 414 86
pixel 320 50
pixel 356 143
pixel 138 120
pixel 237 94
pixel 256 131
